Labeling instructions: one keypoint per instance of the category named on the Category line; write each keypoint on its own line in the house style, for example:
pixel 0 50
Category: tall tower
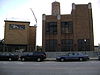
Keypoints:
pixel 55 8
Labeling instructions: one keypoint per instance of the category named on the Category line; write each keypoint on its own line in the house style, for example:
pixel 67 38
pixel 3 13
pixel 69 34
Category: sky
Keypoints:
pixel 20 10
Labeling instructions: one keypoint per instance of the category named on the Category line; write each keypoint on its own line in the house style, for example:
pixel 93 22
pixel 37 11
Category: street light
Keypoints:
pixel 84 40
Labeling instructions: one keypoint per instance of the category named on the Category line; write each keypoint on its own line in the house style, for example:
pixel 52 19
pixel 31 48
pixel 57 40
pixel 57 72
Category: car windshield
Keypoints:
pixel 72 54
pixel 30 54
pixel 5 54
pixel 11 54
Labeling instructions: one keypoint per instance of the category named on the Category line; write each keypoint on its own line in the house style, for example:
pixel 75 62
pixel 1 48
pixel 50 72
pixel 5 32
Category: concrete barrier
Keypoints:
pixel 55 54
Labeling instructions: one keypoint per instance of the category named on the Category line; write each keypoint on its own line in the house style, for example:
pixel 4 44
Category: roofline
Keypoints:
pixel 16 21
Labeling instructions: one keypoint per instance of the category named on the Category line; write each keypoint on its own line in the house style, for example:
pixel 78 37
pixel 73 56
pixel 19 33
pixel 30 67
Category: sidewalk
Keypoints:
pixel 50 59
pixel 93 58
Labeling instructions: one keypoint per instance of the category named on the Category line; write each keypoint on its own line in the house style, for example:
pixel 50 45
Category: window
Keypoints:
pixel 67 27
pixel 51 28
pixel 83 45
pixel 51 45
pixel 66 44
pixel 16 26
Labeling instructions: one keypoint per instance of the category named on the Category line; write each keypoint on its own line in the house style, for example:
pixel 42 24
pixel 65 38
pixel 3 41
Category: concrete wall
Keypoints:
pixel 55 54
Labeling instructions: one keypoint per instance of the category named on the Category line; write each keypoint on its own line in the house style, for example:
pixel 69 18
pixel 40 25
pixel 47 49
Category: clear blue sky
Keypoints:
pixel 20 10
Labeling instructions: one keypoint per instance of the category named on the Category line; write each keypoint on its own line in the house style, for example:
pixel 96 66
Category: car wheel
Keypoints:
pixel 38 59
pixel 81 59
pixel 61 59
pixel 10 59
pixel 23 59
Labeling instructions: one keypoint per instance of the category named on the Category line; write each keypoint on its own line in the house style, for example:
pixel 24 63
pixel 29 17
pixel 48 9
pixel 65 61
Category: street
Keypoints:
pixel 50 68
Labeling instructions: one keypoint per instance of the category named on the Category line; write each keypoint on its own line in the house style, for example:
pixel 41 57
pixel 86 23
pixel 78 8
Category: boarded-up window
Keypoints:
pixel 66 44
pixel 51 28
pixel 67 27
pixel 83 44
pixel 51 45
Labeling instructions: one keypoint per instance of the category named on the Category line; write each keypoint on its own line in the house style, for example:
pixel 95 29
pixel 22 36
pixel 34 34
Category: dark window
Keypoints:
pixel 16 26
pixel 83 44
pixel 66 45
pixel 67 27
pixel 51 45
pixel 51 28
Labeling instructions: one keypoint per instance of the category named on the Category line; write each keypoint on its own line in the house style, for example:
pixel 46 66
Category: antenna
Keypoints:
pixel 34 16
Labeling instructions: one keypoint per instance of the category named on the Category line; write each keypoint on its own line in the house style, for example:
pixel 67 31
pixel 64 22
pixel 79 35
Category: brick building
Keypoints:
pixel 70 32
pixel 19 36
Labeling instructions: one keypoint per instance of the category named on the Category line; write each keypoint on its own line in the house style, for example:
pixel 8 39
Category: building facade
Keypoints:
pixel 19 35
pixel 70 32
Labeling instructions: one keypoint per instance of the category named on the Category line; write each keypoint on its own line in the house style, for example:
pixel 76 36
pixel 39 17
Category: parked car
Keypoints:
pixel 14 56
pixel 36 56
pixel 8 56
pixel 98 57
pixel 73 56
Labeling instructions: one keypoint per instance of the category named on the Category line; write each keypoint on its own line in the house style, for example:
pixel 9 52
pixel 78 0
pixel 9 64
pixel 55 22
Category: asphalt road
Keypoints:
pixel 49 68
